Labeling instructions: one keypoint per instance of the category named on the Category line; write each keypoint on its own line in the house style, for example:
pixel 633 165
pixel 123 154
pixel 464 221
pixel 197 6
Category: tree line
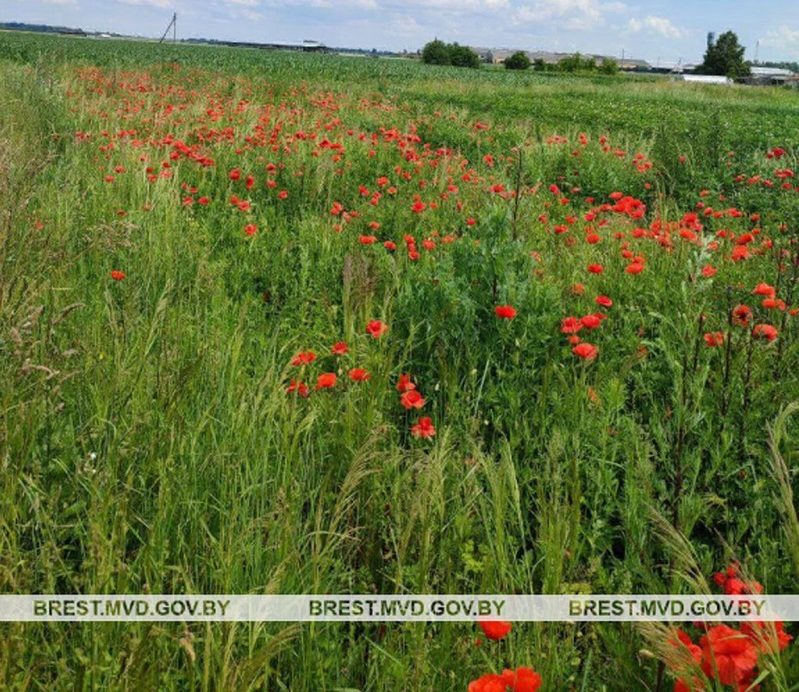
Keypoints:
pixel 724 56
pixel 438 52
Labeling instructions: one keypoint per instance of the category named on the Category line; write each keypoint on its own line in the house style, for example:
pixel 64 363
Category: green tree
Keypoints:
pixel 463 56
pixel 609 66
pixel 517 61
pixel 439 53
pixel 539 65
pixel 725 56
pixel 436 53
pixel 577 63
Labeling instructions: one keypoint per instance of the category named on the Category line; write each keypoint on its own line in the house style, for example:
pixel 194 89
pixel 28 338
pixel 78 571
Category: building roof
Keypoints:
pixel 771 72
pixel 704 78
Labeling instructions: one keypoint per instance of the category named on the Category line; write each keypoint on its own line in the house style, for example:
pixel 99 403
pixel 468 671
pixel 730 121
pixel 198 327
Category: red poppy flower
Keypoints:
pixel 739 253
pixel 708 271
pixel 118 275
pixel 585 351
pixel 763 289
pixel 595 268
pixel 404 383
pixel 683 640
pixel 505 312
pixel 765 331
pixel 713 339
pixel 250 229
pixel 522 680
pixel 304 358
pixel 773 304
pixel 689 655
pixel 767 638
pixel 603 301
pixel 488 683
pixel 634 268
pixel 376 328
pixel 732 584
pixel 412 399
pixel 423 428
pixel 339 348
pixel 495 629
pixel 591 321
pixel 728 655
pixel 741 315
pixel 299 387
pixel 359 375
pixel 327 380
pixel 570 325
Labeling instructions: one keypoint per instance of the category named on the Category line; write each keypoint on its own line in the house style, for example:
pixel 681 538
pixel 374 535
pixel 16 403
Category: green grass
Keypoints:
pixel 148 444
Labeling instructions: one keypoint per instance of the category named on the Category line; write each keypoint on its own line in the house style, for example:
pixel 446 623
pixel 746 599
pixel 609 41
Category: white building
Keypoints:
pixel 703 79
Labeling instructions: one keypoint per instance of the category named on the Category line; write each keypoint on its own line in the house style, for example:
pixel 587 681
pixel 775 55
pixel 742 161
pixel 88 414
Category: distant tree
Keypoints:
pixel 609 66
pixel 785 65
pixel 517 61
pixel 539 65
pixel 724 56
pixel 436 53
pixel 463 56
pixel 577 63
pixel 439 53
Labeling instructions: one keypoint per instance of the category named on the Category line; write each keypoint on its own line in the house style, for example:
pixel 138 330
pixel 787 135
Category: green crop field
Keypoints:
pixel 277 323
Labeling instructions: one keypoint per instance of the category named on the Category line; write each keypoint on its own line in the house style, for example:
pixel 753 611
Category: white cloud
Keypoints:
pixel 160 4
pixel 320 4
pixel 60 3
pixel 400 6
pixel 784 38
pixel 465 5
pixel 658 25
pixel 570 14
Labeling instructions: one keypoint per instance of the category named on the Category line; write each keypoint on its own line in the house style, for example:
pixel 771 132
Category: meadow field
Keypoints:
pixel 283 323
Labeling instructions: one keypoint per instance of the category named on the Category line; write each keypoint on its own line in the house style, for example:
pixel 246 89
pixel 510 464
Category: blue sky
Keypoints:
pixel 649 30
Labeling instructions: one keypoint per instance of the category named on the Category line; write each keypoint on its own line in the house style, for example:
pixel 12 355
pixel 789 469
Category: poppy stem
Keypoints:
pixel 746 380
pixel 725 401
pixel 517 196
pixel 698 341
pixel 661 672
pixel 788 301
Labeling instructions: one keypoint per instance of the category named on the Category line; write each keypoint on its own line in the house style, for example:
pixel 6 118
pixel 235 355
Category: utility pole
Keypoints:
pixel 173 24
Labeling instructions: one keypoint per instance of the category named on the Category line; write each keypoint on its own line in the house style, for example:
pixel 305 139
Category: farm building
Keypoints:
pixel 634 65
pixel 770 75
pixel 703 79
pixel 497 56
